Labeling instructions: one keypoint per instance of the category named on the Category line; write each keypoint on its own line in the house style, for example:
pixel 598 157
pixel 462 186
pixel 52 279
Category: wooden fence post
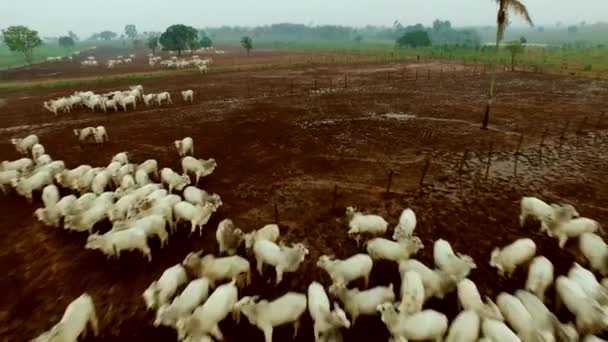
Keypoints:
pixel 462 162
pixel 540 146
pixel 276 214
pixel 489 161
pixel 521 140
pixel 425 169
pixel 390 180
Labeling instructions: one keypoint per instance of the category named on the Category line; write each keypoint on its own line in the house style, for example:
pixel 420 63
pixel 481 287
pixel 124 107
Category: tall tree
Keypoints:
pixel 131 31
pixel 73 35
pixel 66 42
pixel 247 43
pixel 505 8
pixel 178 37
pixel 22 39
pixel 206 42
pixel 107 35
pixel 152 43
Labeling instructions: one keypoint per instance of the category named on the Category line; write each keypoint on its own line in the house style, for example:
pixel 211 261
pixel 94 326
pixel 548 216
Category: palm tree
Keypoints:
pixel 505 8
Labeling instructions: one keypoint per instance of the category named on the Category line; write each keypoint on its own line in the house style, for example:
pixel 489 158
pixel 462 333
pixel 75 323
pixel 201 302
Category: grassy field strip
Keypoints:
pixel 144 75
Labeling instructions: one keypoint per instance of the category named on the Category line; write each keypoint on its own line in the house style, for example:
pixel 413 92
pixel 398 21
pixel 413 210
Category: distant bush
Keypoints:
pixel 206 41
pixel 414 39
pixel 66 42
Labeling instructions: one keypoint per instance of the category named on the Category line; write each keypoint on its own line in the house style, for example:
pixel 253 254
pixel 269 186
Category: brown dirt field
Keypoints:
pixel 233 56
pixel 279 141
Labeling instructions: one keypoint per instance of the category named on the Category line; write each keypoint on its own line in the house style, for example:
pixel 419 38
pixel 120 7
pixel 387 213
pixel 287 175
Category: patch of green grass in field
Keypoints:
pixel 14 59
pixel 329 44
pixel 17 86
pixel 9 58
pixel 589 61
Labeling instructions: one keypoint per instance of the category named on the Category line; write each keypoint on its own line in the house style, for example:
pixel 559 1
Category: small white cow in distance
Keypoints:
pixel 188 95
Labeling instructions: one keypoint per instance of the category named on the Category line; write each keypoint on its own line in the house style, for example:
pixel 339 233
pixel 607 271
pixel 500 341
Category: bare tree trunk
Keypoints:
pixel 28 56
pixel 486 117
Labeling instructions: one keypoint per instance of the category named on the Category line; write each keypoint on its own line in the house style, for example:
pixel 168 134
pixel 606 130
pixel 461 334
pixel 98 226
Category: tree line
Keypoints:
pixel 181 37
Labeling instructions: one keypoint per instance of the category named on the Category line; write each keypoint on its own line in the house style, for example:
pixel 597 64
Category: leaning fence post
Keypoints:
pixel 276 213
pixel 333 200
pixel 425 169
pixel 390 180
pixel 521 140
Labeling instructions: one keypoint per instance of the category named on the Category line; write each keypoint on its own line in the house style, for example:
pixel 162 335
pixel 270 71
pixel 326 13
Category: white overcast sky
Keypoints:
pixel 55 17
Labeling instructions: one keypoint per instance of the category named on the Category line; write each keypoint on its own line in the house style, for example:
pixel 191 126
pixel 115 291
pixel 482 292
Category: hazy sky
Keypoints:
pixel 55 17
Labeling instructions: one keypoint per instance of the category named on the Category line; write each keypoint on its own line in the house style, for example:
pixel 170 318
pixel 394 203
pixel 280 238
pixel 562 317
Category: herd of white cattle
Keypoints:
pixel 69 57
pixel 174 62
pixel 195 61
pixel 112 100
pixel 111 63
pixel 194 296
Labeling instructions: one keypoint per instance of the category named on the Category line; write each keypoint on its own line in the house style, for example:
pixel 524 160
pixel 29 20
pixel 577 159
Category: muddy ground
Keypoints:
pixel 231 57
pixel 288 137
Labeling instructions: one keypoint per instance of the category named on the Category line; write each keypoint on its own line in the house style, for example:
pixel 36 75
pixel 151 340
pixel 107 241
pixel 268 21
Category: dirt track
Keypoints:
pixel 279 140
